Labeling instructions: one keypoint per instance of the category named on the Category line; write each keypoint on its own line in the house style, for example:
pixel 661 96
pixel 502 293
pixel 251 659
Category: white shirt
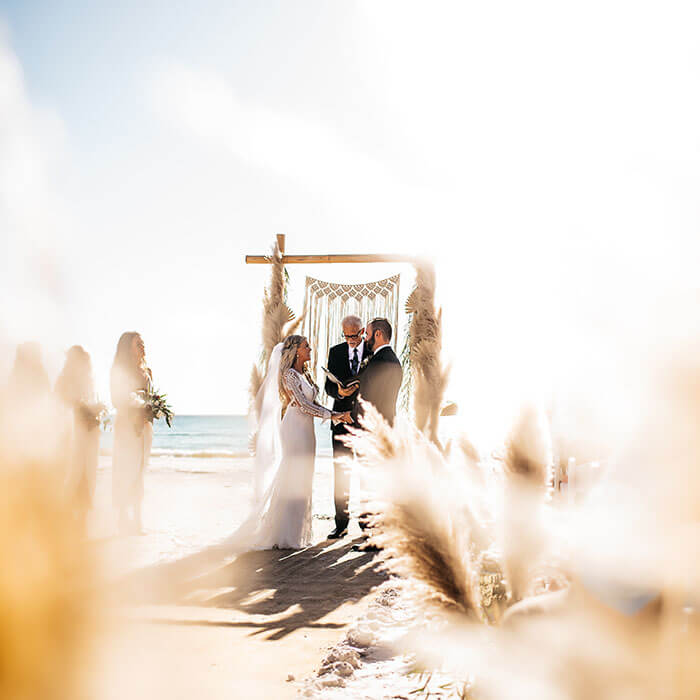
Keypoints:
pixel 381 347
pixel 351 352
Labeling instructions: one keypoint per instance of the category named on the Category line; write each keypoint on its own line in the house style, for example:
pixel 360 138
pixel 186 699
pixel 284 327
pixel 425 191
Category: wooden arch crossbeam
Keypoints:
pixel 326 259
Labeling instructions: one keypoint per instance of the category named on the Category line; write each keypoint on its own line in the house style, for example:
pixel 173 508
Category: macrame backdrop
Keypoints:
pixel 327 303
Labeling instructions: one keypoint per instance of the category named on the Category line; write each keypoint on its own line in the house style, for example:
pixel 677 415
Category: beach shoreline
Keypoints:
pixel 189 504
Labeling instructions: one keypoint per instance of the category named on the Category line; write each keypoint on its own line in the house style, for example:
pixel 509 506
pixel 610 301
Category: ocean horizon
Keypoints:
pixel 208 436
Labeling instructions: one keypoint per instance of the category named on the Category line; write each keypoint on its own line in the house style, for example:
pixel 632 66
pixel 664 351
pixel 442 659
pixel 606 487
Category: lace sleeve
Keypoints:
pixel 292 383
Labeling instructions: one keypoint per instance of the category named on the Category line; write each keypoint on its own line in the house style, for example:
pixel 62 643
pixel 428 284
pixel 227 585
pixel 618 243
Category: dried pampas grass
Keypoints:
pixel 424 543
pixel 277 316
pixel 429 377
pixel 254 384
pixel 423 534
pixel 374 443
pixel 527 466
pixel 278 322
pixel 591 639
pixel 439 519
pixel 529 448
pixel 47 610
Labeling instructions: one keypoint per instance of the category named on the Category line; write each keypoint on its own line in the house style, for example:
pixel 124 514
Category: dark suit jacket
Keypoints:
pixel 380 382
pixel 339 364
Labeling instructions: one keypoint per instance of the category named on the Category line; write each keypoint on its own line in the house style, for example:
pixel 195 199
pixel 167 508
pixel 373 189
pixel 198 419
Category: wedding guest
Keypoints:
pixel 76 392
pixel 28 381
pixel 133 430
pixel 27 418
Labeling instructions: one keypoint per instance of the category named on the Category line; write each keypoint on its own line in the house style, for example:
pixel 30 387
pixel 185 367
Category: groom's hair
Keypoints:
pixel 381 324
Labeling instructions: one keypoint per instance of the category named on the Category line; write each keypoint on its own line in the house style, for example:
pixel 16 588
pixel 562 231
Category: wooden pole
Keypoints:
pixel 326 259
pixel 329 259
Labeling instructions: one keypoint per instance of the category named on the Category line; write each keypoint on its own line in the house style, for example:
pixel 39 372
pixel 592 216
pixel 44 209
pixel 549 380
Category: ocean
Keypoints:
pixel 197 489
pixel 209 437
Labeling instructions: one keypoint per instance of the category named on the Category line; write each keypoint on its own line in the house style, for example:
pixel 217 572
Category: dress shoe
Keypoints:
pixel 337 533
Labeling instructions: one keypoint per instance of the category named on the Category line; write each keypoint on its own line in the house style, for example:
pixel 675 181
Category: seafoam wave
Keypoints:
pixel 199 454
pixel 191 454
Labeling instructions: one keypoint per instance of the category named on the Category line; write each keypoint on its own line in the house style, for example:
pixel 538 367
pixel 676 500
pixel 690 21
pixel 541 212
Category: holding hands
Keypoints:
pixel 343 417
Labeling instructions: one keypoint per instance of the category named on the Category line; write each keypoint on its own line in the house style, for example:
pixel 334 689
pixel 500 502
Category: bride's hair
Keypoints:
pixel 287 360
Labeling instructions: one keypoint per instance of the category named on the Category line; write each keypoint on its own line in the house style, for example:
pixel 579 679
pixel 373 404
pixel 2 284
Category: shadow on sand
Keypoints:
pixel 272 591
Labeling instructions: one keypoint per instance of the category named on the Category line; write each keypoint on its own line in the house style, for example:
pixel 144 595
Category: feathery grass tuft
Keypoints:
pixel 374 442
pixel 277 316
pixel 421 542
pixel 423 534
pixel 278 322
pixel 435 520
pixel 527 465
pixel 425 341
pixel 47 609
pixel 529 448
pixel 254 384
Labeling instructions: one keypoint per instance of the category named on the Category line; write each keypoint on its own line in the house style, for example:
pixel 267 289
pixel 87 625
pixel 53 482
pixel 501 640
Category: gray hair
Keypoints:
pixel 354 321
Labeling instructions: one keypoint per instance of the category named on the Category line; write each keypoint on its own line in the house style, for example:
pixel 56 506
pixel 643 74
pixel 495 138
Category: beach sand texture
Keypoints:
pixel 237 629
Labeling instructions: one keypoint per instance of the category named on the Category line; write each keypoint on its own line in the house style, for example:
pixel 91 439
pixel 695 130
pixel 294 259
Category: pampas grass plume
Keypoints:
pixel 277 316
pixel 529 448
pixel 47 609
pixel 421 536
pixel 425 336
pixel 527 463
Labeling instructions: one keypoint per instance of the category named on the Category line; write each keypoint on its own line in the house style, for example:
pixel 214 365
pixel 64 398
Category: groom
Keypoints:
pixel 380 383
pixel 381 379
pixel 344 361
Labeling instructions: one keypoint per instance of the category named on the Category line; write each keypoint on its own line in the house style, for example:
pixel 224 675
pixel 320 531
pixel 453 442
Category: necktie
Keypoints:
pixel 355 363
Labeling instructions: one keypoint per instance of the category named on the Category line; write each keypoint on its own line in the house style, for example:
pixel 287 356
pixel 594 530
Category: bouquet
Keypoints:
pixel 156 406
pixel 92 413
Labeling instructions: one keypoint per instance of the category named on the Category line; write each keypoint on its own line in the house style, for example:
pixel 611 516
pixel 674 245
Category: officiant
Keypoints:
pixel 344 361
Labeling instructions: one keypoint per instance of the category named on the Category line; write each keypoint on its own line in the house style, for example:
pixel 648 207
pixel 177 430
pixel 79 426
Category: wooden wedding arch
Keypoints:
pixel 427 376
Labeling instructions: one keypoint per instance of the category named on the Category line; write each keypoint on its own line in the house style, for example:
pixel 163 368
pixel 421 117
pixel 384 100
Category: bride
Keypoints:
pixel 285 451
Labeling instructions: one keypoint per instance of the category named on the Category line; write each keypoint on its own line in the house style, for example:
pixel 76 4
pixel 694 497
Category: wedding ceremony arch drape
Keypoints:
pixel 327 303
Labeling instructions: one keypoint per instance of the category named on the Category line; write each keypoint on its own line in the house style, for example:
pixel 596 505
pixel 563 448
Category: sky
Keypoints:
pixel 544 155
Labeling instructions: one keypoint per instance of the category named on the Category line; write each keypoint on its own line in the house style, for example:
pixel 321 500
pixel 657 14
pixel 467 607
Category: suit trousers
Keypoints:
pixel 342 470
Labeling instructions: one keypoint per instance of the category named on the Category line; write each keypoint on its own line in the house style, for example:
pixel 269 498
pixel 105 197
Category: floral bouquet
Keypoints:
pixel 156 405
pixel 93 414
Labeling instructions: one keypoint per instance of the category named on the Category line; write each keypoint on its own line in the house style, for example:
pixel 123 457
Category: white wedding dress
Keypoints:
pixel 284 464
pixel 286 521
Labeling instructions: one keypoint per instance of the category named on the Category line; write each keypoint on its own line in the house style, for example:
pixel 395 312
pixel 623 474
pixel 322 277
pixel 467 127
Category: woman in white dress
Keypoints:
pixel 31 436
pixel 283 517
pixel 76 392
pixel 133 430
pixel 27 419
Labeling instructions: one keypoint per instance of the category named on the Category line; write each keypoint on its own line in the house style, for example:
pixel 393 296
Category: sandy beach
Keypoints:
pixel 253 627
